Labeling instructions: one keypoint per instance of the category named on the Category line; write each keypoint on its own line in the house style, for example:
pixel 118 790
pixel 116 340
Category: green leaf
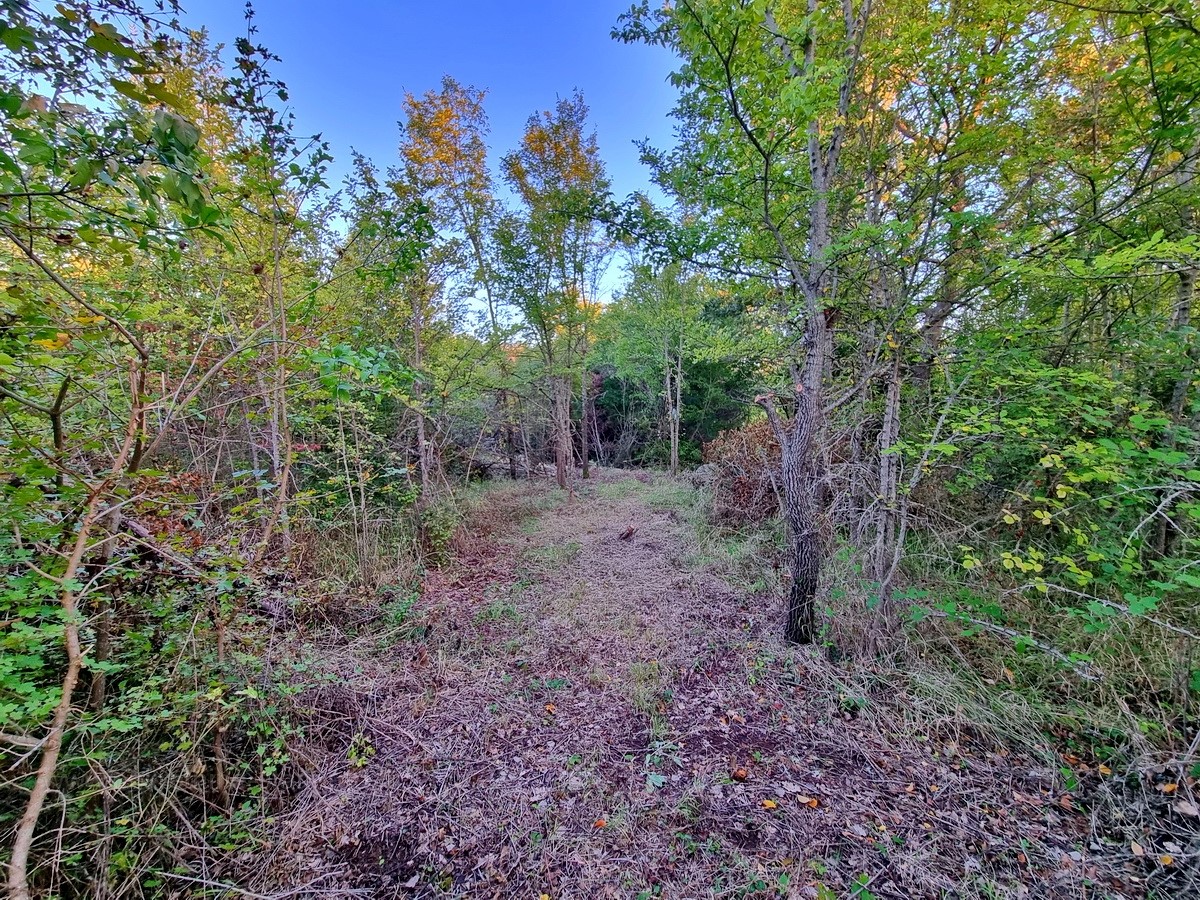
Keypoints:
pixel 36 152
pixel 85 170
pixel 129 89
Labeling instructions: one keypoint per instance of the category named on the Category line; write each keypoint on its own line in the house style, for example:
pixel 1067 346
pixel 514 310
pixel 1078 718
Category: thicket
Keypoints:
pixel 923 288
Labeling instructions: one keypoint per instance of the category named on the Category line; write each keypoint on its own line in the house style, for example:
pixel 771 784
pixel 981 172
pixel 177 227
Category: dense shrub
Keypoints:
pixel 745 461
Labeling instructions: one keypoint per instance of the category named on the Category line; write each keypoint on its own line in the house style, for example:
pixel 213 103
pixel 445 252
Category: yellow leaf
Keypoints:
pixel 769 804
pixel 60 340
pixel 1104 770
pixel 1166 859
pixel 1168 788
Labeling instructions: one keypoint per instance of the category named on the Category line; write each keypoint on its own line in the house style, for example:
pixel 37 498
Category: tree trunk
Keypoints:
pixel 799 508
pixel 561 415
pixel 424 456
pixel 585 401
pixel 889 483
pixel 669 402
pixel 1181 321
pixel 803 538
pixel 951 286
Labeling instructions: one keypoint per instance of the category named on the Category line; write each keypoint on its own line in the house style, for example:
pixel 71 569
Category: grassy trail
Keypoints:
pixel 579 707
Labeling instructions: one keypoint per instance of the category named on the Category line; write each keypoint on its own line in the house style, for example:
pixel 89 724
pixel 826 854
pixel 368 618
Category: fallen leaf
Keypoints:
pixel 550 707
pixel 1187 808
pixel 599 823
pixel 1136 848
pixel 1166 859
pixel 811 802
pixel 1104 770
pixel 769 804
pixel 739 774
pixel 1168 788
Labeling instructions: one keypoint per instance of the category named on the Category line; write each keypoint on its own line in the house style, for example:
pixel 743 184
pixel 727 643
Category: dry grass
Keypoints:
pixel 581 705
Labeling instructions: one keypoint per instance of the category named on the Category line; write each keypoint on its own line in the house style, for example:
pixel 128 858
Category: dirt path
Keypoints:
pixel 578 708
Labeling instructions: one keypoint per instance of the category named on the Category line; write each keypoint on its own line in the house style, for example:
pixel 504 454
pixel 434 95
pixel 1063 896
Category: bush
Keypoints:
pixel 745 459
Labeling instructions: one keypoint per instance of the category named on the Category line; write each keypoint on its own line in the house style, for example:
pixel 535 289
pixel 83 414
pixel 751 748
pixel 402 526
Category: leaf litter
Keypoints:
pixel 600 737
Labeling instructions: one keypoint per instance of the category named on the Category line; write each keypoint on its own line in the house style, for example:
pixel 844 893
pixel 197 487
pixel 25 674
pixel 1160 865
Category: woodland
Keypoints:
pixel 894 404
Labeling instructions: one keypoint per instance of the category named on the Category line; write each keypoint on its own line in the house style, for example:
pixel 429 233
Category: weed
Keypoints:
pixel 647 680
pixel 671 495
pixel 396 611
pixel 852 703
pixel 360 751
pixel 556 556
pixel 438 524
pixel 617 490
pixel 497 610
pixel 858 890
pixel 760 667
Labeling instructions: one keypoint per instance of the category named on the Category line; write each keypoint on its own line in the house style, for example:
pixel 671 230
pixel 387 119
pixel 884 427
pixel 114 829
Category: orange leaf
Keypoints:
pixel 739 774
pixel 1168 788
pixel 810 802
pixel 599 823
pixel 550 707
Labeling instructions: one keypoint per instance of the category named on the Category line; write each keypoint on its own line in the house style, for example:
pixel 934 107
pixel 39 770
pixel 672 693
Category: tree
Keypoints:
pixel 652 333
pixel 559 177
pixel 767 99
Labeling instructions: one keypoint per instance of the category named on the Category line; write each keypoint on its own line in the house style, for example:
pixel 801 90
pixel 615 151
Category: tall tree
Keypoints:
pixel 766 104
pixel 559 177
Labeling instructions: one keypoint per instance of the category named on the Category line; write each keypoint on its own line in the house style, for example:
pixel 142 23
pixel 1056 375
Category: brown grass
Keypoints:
pixel 577 708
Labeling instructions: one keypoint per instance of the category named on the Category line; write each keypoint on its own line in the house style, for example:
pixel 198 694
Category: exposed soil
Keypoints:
pixel 577 708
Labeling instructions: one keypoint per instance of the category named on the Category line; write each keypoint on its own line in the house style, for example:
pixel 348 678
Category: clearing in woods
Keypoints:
pixel 581 706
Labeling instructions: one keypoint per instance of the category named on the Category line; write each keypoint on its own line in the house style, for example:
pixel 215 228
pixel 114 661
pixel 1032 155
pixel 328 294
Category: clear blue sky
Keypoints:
pixel 347 64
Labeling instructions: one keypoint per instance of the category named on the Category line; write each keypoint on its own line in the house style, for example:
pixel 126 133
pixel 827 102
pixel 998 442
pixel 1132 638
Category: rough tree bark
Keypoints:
pixel 795 437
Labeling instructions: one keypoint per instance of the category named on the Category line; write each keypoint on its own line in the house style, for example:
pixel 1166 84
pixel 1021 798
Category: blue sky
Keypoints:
pixel 347 64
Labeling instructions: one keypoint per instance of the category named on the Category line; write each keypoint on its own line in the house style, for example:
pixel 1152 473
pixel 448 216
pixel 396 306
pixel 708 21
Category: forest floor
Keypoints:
pixel 578 706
